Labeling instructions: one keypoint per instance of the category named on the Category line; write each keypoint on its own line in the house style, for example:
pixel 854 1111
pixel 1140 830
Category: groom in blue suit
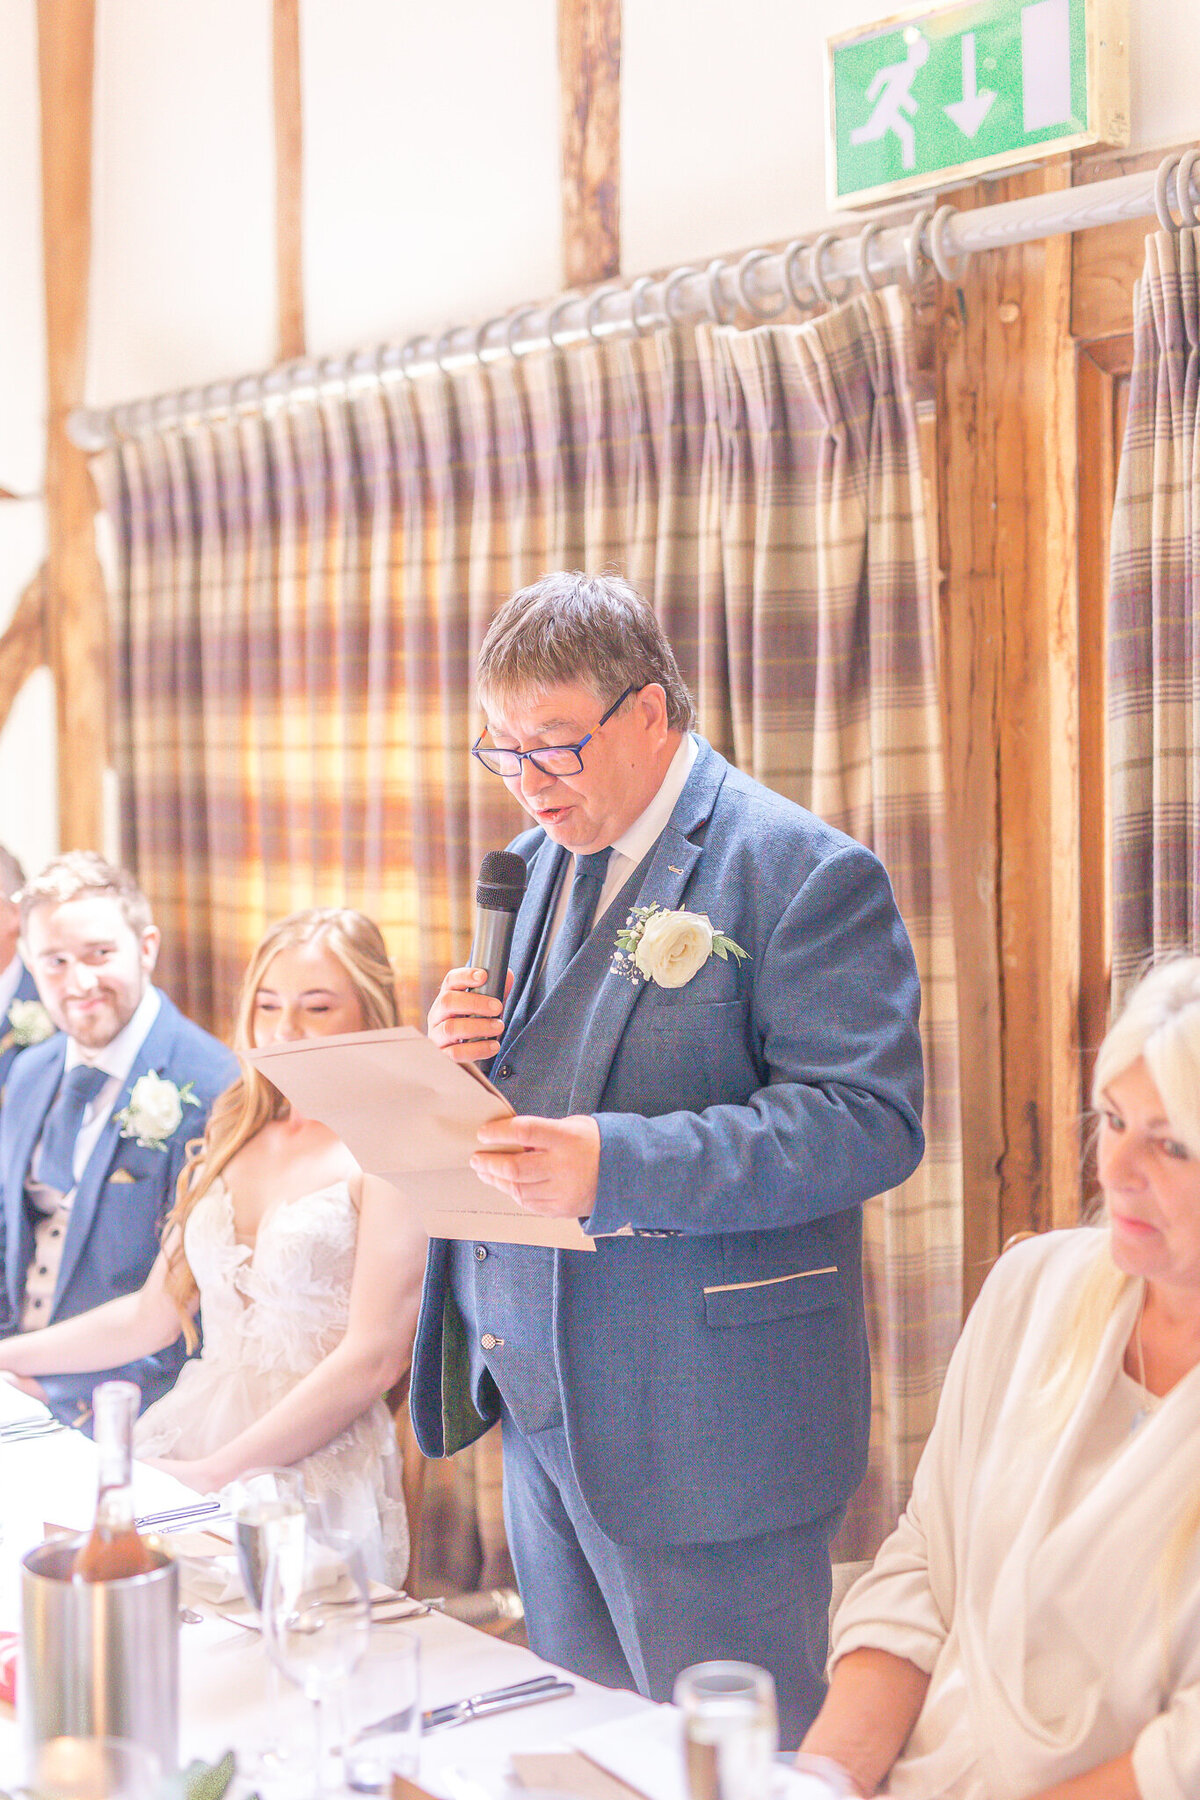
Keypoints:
pixel 96 1120
pixel 685 1411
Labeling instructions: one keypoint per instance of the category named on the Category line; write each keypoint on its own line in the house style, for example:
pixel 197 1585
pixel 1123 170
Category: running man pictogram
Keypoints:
pixel 891 91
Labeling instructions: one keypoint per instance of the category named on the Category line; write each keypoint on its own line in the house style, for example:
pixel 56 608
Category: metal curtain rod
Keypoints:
pixel 764 283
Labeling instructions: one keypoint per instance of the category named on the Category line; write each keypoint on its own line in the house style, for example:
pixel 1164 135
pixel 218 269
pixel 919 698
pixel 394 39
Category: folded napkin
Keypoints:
pixel 8 1666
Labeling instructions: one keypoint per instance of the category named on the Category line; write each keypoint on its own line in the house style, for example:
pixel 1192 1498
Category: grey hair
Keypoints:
pixel 12 875
pixel 594 629
pixel 79 872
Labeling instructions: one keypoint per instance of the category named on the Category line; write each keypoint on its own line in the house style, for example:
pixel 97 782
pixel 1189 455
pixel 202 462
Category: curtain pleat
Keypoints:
pixel 301 596
pixel 1154 620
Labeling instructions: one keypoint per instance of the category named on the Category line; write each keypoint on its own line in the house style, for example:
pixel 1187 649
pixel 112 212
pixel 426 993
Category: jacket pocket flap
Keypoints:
pixel 776 1297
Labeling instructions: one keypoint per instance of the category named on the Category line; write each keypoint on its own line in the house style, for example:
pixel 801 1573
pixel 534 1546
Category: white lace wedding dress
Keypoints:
pixel 270 1314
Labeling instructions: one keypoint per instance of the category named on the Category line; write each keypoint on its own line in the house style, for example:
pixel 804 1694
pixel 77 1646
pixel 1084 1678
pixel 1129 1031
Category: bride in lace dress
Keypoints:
pixel 305 1273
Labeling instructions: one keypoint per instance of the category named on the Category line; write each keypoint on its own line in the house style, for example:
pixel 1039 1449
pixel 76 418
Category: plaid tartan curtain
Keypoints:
pixel 300 597
pixel 1154 620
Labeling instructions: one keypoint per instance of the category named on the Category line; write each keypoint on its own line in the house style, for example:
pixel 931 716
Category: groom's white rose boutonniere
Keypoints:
pixel 155 1110
pixel 668 948
pixel 29 1023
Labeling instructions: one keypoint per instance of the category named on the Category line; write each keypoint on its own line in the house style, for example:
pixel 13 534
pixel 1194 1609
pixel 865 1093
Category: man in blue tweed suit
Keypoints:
pixel 685 1411
pixel 97 1119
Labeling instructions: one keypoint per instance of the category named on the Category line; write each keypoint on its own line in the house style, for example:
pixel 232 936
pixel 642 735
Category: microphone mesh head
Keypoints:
pixel 502 876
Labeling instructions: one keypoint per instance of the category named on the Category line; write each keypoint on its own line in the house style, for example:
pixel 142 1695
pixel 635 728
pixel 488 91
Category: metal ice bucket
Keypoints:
pixel 98 1659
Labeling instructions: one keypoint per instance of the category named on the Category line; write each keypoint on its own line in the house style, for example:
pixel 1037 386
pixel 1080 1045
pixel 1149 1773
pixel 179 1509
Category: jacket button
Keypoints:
pixel 481 1253
pixel 488 1341
pixel 504 1071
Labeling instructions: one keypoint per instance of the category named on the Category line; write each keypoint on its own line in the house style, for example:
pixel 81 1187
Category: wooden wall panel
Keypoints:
pixel 77 625
pixel 289 178
pixel 589 64
pixel 1007 518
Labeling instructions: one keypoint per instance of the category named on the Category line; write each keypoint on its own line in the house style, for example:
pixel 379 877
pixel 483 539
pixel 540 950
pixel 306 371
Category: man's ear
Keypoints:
pixel 151 939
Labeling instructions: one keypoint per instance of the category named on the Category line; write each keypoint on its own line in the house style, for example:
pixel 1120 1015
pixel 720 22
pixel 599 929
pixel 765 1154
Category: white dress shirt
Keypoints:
pixel 632 845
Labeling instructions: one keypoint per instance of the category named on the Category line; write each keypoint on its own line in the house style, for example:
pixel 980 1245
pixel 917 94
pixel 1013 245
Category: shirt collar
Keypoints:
pixel 648 828
pixel 118 1056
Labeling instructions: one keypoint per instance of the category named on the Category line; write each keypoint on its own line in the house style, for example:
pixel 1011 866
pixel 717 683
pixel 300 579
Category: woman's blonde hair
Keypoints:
pixel 251 1102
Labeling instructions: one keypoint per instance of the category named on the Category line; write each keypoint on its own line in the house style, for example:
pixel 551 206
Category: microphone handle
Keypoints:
pixel 493 941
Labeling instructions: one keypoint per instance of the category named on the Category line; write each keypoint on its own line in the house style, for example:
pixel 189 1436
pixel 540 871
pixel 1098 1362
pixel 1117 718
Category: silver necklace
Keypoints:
pixel 1149 1403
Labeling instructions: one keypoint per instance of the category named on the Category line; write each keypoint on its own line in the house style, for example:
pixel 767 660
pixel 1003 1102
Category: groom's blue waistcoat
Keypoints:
pixel 122 1197
pixel 711 1370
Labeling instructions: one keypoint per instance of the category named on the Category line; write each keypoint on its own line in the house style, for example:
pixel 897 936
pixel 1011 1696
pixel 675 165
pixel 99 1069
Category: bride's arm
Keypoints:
pixel 120 1331
pixel 389 1263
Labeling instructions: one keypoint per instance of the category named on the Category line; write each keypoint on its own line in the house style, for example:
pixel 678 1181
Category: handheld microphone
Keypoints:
pixel 498 896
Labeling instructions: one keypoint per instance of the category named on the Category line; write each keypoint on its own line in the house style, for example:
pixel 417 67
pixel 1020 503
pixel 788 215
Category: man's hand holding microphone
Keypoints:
pixel 548 1166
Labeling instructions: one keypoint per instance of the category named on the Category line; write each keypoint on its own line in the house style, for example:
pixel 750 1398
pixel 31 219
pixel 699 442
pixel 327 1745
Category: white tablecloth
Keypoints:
pixel 223 1666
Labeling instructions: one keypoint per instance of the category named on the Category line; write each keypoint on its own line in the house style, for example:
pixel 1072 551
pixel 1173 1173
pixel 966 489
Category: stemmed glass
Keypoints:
pixel 268 1509
pixel 316 1617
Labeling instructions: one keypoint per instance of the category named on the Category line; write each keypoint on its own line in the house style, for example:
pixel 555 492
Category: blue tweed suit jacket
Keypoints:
pixel 26 990
pixel 123 1195
pixel 711 1361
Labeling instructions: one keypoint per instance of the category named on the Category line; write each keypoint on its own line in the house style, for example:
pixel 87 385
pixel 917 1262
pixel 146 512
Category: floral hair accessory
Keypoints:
pixel 155 1110
pixel 668 947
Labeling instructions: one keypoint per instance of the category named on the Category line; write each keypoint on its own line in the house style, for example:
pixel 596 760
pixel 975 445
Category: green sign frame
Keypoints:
pixel 938 94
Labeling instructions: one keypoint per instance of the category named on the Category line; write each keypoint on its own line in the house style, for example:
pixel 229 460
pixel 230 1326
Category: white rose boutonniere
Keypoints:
pixel 155 1110
pixel 668 948
pixel 29 1023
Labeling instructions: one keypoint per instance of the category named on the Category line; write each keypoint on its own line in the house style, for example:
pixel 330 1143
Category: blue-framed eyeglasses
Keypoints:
pixel 551 759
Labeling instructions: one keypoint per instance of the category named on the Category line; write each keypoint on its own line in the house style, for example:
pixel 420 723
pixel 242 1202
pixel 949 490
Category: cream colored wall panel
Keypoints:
pixel 183 276
pixel 22 338
pixel 28 791
pixel 431 165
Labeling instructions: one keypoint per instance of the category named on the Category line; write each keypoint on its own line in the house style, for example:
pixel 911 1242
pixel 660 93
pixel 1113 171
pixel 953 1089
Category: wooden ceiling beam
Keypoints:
pixel 289 178
pixel 76 618
pixel 23 643
pixel 589 73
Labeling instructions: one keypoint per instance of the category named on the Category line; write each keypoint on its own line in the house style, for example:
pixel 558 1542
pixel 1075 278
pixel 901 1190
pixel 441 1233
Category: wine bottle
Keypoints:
pixel 114 1549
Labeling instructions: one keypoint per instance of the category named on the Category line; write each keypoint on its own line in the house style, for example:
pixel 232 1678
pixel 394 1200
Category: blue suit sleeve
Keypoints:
pixel 834 1005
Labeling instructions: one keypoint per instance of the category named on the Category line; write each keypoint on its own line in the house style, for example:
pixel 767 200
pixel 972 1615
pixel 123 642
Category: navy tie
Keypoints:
pixel 56 1160
pixel 580 915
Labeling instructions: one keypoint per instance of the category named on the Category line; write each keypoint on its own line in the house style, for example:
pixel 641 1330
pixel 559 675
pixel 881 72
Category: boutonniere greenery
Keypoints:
pixel 670 947
pixel 155 1110
pixel 29 1023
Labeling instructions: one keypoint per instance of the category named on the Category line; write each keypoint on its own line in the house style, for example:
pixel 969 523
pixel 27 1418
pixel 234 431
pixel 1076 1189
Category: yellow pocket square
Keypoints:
pixel 120 1175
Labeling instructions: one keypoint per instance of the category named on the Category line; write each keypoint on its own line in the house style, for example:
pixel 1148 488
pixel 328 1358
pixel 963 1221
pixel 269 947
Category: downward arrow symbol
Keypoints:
pixel 970 112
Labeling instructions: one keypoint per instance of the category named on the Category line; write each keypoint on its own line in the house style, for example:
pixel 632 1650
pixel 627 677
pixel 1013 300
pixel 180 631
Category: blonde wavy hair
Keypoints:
pixel 1160 1026
pixel 251 1102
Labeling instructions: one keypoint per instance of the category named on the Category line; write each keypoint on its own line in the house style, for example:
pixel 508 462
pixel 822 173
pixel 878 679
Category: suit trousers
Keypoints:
pixel 632 1617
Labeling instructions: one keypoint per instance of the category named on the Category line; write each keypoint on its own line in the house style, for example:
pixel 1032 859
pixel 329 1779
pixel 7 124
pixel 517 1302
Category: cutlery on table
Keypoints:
pixel 20 1430
pixel 197 1509
pixel 495 1700
pixel 410 1609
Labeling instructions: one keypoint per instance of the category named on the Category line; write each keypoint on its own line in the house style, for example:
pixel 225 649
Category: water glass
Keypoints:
pixel 730 1730
pixel 72 1768
pixel 316 1618
pixel 381 1715
pixel 267 1506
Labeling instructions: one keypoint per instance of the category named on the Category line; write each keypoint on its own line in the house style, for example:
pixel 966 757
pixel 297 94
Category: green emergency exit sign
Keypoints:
pixel 927 97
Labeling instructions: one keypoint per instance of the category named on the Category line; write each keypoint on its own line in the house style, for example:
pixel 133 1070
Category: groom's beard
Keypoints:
pixel 95 1021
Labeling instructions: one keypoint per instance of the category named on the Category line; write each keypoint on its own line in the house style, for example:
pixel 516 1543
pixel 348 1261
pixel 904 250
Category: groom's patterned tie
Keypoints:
pixel 56 1160
pixel 580 915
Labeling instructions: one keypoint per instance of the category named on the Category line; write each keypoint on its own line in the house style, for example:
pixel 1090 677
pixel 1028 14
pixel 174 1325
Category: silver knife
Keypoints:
pixel 496 1700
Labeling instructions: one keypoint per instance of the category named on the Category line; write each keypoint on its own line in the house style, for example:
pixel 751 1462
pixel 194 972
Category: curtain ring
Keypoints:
pixel 1162 185
pixel 515 320
pixel 1183 186
pixel 411 353
pixel 797 248
pixel 866 238
pixel 674 279
pixel 481 331
pixel 816 275
pixel 443 346
pixel 951 268
pixel 913 254
pixel 755 308
pixel 716 304
pixel 593 307
pixel 559 306
pixel 637 294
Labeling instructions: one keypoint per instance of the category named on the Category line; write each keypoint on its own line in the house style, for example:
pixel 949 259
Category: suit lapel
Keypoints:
pixel 32 1118
pixel 154 1054
pixel 533 923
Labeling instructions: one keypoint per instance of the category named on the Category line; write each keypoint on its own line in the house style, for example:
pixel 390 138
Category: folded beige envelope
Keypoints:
pixel 410 1115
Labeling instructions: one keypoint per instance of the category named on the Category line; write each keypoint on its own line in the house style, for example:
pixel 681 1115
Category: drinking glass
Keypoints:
pixel 316 1618
pixel 730 1730
pixel 268 1508
pixel 381 1715
pixel 72 1768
